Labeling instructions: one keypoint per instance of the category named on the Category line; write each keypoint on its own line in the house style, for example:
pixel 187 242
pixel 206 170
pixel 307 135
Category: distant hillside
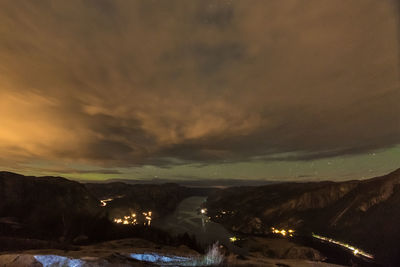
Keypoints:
pixel 43 206
pixel 191 183
pixel 161 199
pixel 60 210
pixel 365 213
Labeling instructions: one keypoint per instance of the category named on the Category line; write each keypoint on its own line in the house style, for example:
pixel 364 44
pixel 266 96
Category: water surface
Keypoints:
pixel 187 218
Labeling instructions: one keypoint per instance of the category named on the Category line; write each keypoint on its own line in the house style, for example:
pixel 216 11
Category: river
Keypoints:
pixel 187 218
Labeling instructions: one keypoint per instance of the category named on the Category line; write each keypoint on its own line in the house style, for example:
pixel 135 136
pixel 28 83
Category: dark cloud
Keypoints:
pixel 215 13
pixel 210 59
pixel 128 83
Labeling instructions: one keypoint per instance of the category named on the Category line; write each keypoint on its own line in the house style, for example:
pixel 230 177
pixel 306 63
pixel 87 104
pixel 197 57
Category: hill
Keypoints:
pixel 361 212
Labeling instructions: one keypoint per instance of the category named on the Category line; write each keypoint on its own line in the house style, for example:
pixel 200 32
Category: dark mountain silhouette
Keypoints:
pixel 365 213
pixel 43 206
pixel 56 212
pixel 189 182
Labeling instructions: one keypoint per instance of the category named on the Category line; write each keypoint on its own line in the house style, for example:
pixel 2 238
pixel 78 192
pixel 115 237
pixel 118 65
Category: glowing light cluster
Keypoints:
pixel 147 216
pixel 283 232
pixel 103 202
pixel 134 219
pixel 221 214
pixel 129 219
pixel 233 239
pixel 355 251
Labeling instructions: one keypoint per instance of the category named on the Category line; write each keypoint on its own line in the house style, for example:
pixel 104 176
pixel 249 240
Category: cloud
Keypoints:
pixel 128 83
pixel 75 171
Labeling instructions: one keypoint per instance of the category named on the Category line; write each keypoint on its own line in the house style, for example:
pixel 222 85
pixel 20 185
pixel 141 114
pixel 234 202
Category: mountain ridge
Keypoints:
pixel 357 211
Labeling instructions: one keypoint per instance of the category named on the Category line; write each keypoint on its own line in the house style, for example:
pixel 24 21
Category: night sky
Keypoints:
pixel 276 90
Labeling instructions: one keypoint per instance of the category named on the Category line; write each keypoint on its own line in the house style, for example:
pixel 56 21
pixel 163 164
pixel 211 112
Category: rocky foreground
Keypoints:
pixel 138 252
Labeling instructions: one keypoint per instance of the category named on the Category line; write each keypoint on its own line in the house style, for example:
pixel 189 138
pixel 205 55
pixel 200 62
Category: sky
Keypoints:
pixel 271 90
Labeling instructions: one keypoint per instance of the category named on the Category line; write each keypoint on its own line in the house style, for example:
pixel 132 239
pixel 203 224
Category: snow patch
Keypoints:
pixel 55 261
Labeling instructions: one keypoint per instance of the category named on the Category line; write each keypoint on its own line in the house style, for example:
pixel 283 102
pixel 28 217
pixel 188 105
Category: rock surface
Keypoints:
pixel 119 253
pixel 282 249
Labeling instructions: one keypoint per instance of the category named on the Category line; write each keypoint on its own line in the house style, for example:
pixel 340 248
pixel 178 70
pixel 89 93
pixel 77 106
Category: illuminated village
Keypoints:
pixel 282 232
pixel 133 219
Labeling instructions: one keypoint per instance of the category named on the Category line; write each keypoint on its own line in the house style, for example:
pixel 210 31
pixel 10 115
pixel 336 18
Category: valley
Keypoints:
pixel 323 222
